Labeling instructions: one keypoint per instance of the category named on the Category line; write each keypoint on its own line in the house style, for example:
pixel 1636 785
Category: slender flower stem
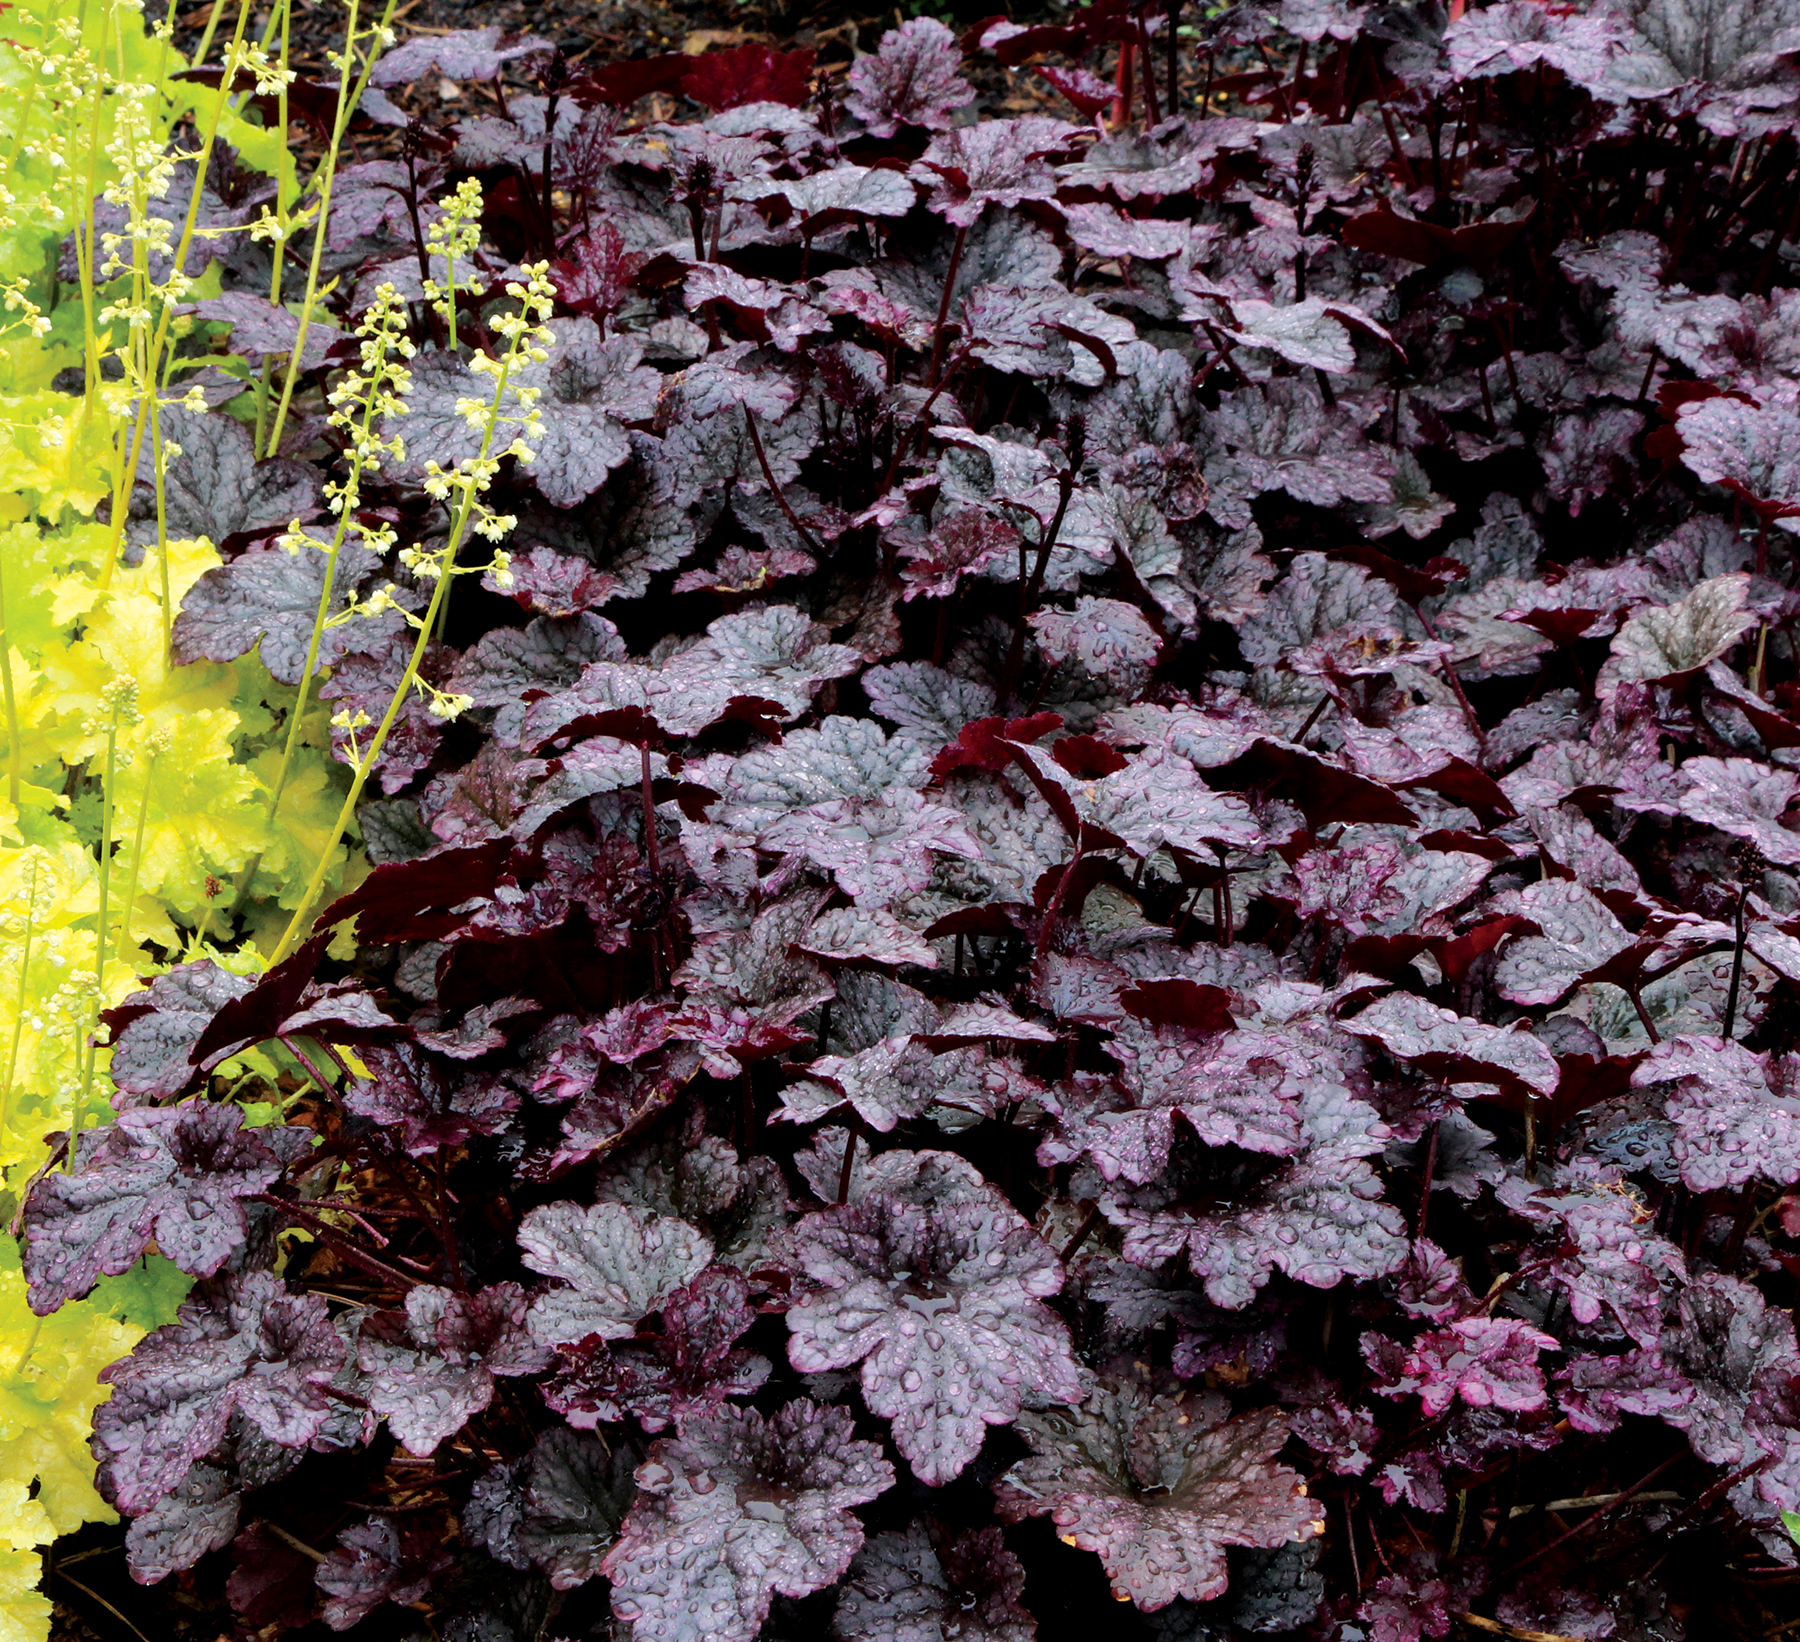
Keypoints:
pixel 20 995
pixel 347 99
pixel 446 572
pixel 943 313
pixel 133 439
pixel 8 693
pixel 108 787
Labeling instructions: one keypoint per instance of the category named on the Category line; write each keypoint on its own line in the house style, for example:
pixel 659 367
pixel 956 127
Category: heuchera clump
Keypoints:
pixel 1109 859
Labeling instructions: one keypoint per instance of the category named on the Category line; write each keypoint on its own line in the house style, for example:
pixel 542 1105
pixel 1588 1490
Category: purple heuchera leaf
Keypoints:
pixel 736 1509
pixel 1453 1046
pixel 368 198
pixel 922 1178
pixel 1318 1216
pixel 1421 1598
pixel 841 194
pixel 1751 449
pixel 1666 641
pixel 1239 1088
pixel 1602 1253
pixel 1597 1390
pixel 1579 934
pixel 1156 799
pixel 1280 437
pixel 943 1308
pixel 216 487
pixel 590 386
pixel 996 162
pixel 616 1263
pixel 1489 1362
pixel 1308 333
pixel 904 1077
pixel 747 988
pixel 1736 1114
pixel 662 1378
pixel 432 1366
pixel 1515 36
pixel 241 1347
pixel 911 78
pixel 914 1586
pixel 962 544
pixel 1111 639
pixel 893 1080
pixel 175 1174
pixel 158 1028
pixel 1739 1355
pixel 199 1516
pixel 1158 1486
pixel 870 935
pixel 429 1103
pixel 553 584
pixel 878 849
pixel 1747 800
pixel 375 1563
pixel 259 328
pixel 461 54
pixel 775 654
pixel 559 1508
pixel 266 599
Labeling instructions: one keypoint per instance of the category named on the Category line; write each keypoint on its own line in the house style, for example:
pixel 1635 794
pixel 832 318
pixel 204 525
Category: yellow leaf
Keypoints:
pixel 124 639
pixel 303 826
pixel 49 1389
pixel 201 812
pixel 71 598
pixel 24 1609
pixel 23 1519
pixel 54 888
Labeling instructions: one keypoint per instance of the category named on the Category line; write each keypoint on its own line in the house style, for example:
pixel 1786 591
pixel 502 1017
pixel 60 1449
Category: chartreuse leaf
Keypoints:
pixel 49 1388
pixel 203 812
pixel 24 1610
pixel 123 637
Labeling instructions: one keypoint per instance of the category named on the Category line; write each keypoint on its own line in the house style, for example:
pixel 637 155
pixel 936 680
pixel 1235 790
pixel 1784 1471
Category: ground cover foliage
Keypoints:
pixel 1078 870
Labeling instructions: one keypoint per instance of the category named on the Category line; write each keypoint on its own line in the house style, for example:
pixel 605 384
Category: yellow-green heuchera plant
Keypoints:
pixel 145 807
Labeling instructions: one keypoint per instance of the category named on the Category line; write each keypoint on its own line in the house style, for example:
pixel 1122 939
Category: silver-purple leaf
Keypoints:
pixel 590 387
pixel 1318 1216
pixel 374 1563
pixel 1239 1088
pixel 1489 1362
pixel 176 1174
pixel 1746 799
pixel 1736 1113
pixel 736 1509
pixel 267 599
pixel 615 1264
pixel 248 1348
pixel 911 78
pixel 912 1586
pixel 1666 641
pixel 432 1366
pixel 150 1052
pixel 943 1308
pixel 1454 1046
pixel 198 1516
pixel 1159 1486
